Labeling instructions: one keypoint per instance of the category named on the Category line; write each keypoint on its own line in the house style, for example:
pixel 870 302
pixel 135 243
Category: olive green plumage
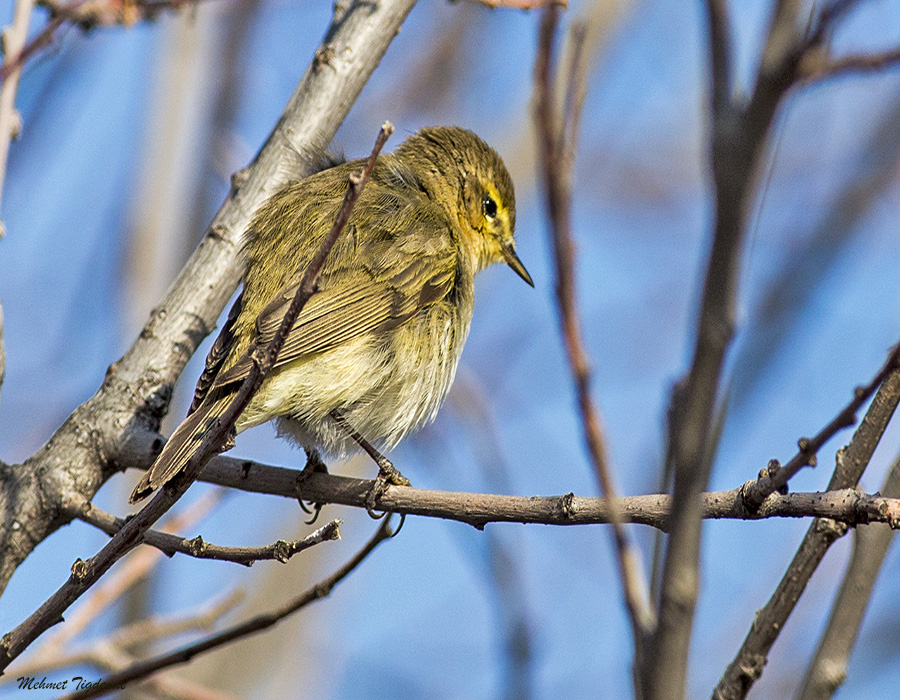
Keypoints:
pixel 380 341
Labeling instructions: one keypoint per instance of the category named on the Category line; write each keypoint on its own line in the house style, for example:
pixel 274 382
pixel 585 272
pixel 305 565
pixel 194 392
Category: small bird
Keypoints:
pixel 374 351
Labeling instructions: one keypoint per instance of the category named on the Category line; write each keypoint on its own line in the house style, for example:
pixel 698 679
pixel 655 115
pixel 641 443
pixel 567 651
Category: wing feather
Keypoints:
pixel 349 306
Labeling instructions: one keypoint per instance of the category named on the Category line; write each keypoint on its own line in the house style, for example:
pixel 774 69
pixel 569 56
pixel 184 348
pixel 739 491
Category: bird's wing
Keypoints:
pixel 217 355
pixel 395 285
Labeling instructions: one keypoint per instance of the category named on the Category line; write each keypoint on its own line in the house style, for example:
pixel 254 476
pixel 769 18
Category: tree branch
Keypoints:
pixel 557 133
pixel 90 446
pixel 479 509
pixel 86 573
pixel 126 575
pixel 256 624
pixel 196 547
pixel 852 460
pixel 13 40
pixel 129 405
pixel 738 135
pixel 114 651
pixel 818 68
pixel 776 477
pixel 828 669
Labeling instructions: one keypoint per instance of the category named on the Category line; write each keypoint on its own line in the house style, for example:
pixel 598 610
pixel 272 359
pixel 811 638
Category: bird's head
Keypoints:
pixel 485 199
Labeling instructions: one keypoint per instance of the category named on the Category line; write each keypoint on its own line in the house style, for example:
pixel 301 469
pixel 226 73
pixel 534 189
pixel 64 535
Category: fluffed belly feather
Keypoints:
pixel 380 396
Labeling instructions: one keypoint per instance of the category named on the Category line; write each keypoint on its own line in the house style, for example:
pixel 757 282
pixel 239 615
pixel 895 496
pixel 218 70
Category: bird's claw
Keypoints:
pixel 314 465
pixel 388 475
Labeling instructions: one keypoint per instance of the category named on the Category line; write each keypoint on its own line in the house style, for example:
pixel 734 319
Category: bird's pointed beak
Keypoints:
pixel 509 254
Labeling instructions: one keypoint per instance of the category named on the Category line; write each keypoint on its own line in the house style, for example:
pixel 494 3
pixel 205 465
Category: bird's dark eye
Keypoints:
pixel 489 206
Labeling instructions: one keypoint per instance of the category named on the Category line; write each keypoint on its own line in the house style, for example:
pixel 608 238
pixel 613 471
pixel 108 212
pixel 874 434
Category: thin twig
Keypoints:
pixel 557 134
pixel 136 390
pixel 113 652
pixel 87 14
pixel 776 477
pixel 818 68
pixel 242 630
pixel 14 61
pixel 768 622
pixel 131 571
pixel 831 13
pixel 86 573
pixel 169 544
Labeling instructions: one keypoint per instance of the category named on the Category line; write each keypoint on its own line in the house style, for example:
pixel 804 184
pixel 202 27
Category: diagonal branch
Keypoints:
pixel 130 572
pixel 142 669
pixel 828 669
pixel 86 573
pixel 852 460
pixel 101 435
pixel 776 477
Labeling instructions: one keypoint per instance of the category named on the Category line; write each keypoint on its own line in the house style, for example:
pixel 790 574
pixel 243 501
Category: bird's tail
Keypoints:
pixel 180 447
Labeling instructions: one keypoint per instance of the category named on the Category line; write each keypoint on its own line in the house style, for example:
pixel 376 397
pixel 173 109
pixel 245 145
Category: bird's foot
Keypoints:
pixel 388 475
pixel 314 465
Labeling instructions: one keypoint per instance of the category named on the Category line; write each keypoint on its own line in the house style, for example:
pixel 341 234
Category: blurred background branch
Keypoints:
pixel 12 41
pixel 828 669
pixel 557 117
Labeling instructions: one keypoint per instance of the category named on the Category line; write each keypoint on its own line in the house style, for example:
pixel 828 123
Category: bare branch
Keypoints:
pixel 719 55
pixel 13 61
pixel 852 460
pixel 776 477
pixel 828 669
pixel 196 547
pixel 558 134
pixel 256 624
pixel 131 571
pixel 831 13
pixel 100 435
pixel 113 652
pixel 817 67
pixel 84 574
pixel 13 40
pixel 738 133
pixel 479 509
